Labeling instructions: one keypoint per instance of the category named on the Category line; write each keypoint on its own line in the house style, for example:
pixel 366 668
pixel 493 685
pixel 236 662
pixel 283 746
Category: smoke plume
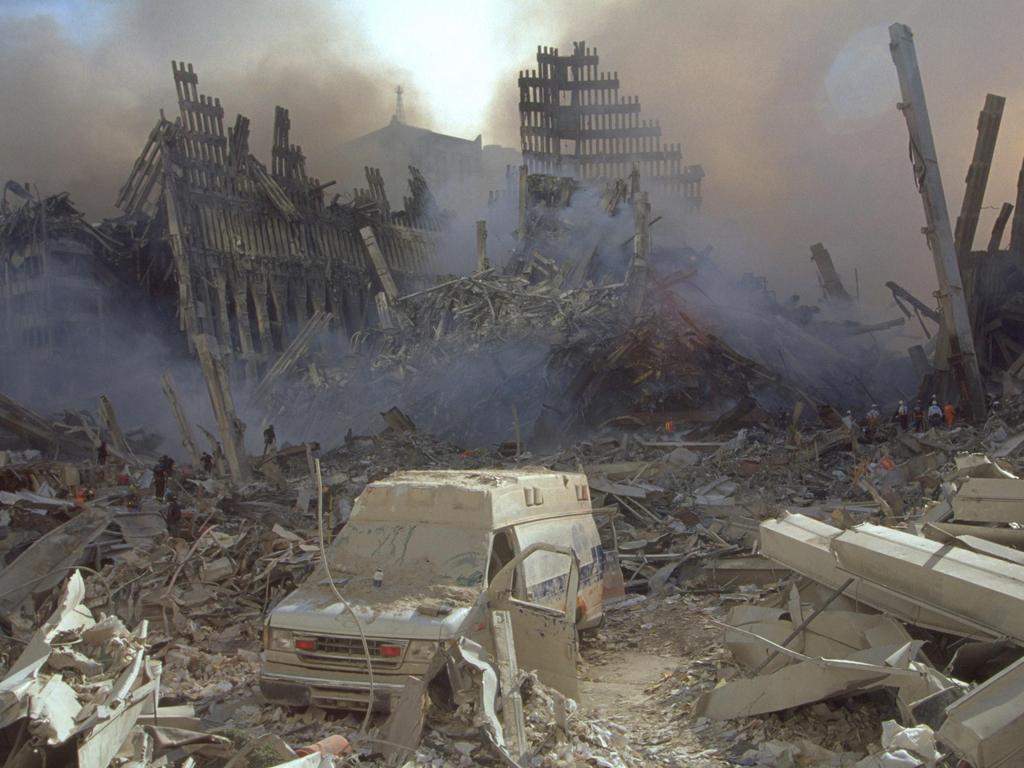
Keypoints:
pixel 76 114
pixel 791 109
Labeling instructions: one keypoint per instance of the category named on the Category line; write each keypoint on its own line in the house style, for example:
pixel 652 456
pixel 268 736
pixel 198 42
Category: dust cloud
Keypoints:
pixel 76 113
pixel 790 108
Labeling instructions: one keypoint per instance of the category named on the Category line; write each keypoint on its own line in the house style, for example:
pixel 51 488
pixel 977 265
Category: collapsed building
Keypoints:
pixel 57 278
pixel 574 122
pixel 333 308
pixel 256 253
pixel 210 235
pixel 810 585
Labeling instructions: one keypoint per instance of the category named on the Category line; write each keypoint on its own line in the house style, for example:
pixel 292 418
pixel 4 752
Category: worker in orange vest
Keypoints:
pixel 949 412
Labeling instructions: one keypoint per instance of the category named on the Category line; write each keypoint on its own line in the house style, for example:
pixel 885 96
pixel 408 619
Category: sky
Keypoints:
pixel 788 104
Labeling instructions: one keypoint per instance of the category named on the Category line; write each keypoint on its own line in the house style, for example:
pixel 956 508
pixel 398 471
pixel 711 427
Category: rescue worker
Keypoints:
pixel 873 417
pixel 949 411
pixel 159 479
pixel 919 425
pixel 269 439
pixel 164 469
pixel 172 515
pixel 102 454
pixel 207 461
pixel 849 423
pixel 903 416
pixel 934 413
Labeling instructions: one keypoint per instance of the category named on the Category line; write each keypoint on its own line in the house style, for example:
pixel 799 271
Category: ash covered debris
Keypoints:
pixel 211 241
pixel 686 510
pixel 589 317
pixel 780 583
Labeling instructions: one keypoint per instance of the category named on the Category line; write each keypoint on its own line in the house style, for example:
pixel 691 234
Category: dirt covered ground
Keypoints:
pixel 654 657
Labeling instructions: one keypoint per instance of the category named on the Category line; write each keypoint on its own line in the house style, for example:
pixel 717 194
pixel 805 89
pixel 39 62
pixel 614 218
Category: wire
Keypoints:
pixel 342 600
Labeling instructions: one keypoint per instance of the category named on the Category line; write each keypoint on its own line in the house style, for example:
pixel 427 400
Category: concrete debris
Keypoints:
pixel 990 501
pixel 85 703
pixel 983 727
pixel 909 747
pixel 637 528
pixel 683 533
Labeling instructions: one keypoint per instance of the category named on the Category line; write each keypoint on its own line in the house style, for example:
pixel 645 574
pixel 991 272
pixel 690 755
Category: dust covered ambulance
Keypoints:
pixel 416 563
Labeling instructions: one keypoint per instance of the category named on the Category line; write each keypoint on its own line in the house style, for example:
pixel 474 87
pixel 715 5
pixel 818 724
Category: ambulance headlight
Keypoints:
pixel 421 651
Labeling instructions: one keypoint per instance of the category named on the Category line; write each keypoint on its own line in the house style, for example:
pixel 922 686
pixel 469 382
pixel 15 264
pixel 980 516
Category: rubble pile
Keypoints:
pixel 84 691
pixel 584 321
pixel 686 507
pixel 781 581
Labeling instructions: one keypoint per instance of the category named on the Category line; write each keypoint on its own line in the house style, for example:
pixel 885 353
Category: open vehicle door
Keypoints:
pixel 544 634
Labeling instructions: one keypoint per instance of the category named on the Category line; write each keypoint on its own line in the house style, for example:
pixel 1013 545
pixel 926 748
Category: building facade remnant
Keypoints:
pixel 256 252
pixel 574 122
pixel 958 353
pixel 53 276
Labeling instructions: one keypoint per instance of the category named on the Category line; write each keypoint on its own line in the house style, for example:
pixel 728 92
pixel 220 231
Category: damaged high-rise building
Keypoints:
pixel 573 122
pixel 258 251
pixel 54 272
pixel 211 236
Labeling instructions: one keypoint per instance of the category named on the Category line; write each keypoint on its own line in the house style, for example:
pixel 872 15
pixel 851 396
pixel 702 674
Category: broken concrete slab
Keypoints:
pixel 984 727
pixel 1008 537
pixel 746 569
pixel 992 549
pixel 826 634
pixel 47 562
pixel 980 465
pixel 803 544
pixel 975 589
pixel 807 681
pixel 983 499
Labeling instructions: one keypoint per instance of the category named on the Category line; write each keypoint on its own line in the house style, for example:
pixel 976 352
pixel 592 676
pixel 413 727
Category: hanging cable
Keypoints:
pixel 334 588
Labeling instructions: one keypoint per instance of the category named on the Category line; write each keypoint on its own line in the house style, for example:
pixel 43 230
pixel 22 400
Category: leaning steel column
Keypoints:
pixel 524 199
pixel 956 320
pixel 637 274
pixel 974 194
pixel 482 262
pixel 187 439
pixel 230 427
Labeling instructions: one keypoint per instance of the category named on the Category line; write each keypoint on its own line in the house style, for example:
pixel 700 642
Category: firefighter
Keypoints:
pixel 269 439
pixel 207 461
pixel 919 425
pixel 164 469
pixel 949 411
pixel 873 417
pixel 903 416
pixel 172 515
pixel 159 479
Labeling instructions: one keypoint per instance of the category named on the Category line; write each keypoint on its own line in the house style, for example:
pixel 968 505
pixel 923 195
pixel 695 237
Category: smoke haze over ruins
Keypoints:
pixel 360 358
pixel 790 107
